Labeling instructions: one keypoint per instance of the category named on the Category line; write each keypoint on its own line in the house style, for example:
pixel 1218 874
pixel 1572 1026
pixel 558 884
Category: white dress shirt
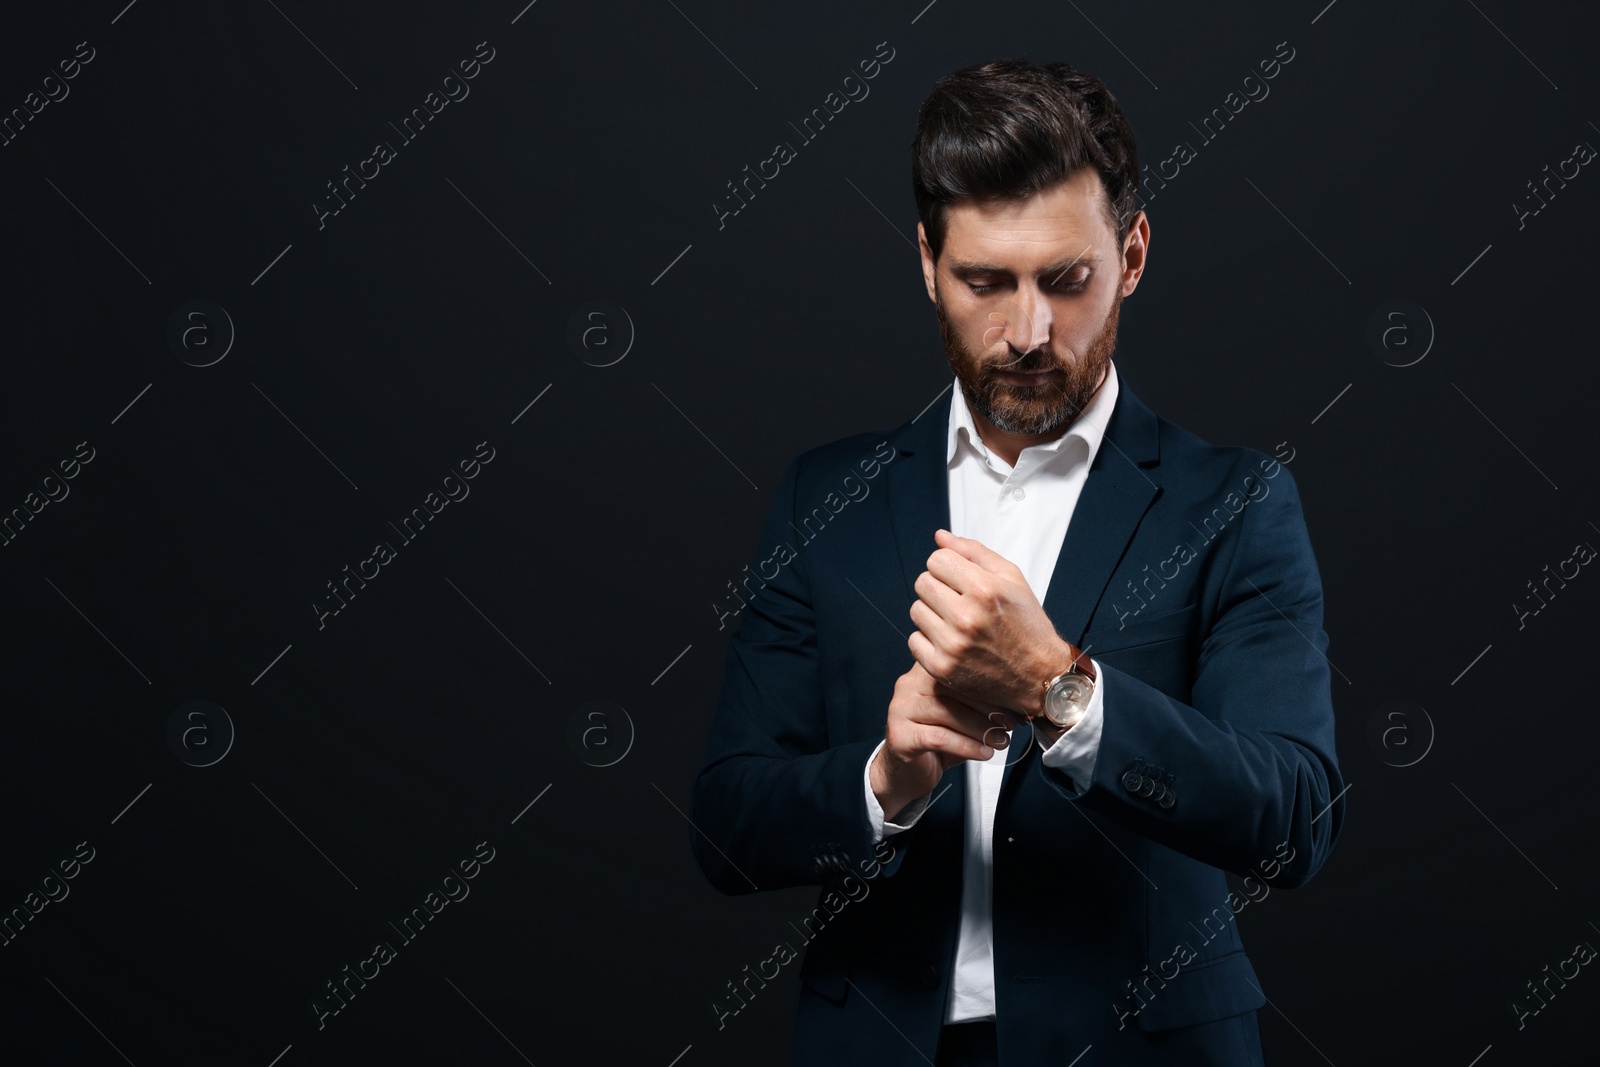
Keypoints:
pixel 1021 513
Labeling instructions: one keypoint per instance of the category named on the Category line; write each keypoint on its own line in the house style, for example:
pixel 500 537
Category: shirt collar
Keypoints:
pixel 1089 427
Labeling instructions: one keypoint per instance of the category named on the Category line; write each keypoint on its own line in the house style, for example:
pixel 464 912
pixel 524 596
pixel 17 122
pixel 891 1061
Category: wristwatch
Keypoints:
pixel 1066 696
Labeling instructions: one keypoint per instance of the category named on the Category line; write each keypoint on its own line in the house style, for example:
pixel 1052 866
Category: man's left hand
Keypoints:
pixel 980 629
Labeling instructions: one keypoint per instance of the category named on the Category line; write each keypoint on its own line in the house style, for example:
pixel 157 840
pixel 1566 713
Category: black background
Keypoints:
pixel 373 354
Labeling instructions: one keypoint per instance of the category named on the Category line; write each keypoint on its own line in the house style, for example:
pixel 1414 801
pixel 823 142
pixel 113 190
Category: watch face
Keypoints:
pixel 1067 699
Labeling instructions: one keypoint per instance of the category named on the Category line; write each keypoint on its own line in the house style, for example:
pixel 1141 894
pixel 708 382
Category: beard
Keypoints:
pixel 1029 409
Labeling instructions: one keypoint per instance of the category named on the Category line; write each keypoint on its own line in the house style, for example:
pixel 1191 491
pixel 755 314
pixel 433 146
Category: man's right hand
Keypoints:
pixel 931 729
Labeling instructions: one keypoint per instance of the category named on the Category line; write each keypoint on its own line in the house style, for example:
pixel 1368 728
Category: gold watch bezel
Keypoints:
pixel 1081 705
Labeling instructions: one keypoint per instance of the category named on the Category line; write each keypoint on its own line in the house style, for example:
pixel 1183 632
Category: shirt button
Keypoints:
pixel 1017 494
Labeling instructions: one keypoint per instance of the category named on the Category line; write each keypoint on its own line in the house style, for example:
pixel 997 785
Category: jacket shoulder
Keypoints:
pixel 825 466
pixel 1209 467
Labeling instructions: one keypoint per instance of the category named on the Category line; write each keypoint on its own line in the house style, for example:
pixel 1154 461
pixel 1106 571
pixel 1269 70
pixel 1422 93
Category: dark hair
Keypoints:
pixel 1007 129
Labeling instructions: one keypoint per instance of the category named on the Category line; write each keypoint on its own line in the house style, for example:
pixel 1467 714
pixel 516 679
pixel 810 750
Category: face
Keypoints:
pixel 1028 295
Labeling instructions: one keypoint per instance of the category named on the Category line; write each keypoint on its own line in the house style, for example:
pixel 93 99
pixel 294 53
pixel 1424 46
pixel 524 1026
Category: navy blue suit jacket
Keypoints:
pixel 1188 574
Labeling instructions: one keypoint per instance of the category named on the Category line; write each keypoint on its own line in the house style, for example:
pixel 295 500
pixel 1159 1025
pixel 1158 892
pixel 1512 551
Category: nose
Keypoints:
pixel 1031 330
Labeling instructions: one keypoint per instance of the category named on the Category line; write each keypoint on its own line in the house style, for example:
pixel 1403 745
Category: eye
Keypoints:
pixel 1060 287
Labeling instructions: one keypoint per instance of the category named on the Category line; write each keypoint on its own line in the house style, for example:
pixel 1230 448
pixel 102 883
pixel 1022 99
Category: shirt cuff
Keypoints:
pixel 907 817
pixel 1074 751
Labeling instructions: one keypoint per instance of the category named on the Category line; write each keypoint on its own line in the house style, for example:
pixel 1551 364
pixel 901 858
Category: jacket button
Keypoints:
pixel 1131 781
pixel 930 976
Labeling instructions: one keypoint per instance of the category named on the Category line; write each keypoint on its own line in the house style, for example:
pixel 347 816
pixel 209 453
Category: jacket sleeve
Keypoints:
pixel 777 801
pixel 1247 773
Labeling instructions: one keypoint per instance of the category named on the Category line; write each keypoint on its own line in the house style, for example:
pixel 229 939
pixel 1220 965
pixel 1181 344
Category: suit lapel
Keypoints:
pixel 1119 489
pixel 919 489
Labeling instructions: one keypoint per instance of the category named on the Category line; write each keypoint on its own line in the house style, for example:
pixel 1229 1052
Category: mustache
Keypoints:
pixel 1023 366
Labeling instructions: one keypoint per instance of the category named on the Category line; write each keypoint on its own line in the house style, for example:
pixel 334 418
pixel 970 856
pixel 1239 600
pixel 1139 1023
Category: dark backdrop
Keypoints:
pixel 535 319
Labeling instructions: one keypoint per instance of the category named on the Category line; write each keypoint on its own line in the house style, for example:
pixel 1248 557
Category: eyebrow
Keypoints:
pixel 1052 271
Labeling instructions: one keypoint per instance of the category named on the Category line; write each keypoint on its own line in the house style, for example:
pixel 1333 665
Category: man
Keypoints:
pixel 1112 688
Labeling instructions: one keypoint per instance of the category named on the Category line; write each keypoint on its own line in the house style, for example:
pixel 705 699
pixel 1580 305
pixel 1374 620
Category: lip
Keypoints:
pixel 1027 379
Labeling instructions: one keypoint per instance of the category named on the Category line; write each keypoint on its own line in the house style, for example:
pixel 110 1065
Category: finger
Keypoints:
pixel 974 550
pixel 954 569
pixel 995 714
pixel 936 662
pixel 930 737
pixel 942 688
pixel 998 723
pixel 921 648
pixel 938 631
pixel 926 682
pixel 955 714
pixel 935 592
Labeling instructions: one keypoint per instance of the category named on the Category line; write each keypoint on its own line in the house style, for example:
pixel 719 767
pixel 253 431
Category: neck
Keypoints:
pixel 1008 446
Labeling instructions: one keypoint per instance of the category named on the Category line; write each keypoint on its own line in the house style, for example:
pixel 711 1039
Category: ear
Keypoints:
pixel 927 262
pixel 1136 252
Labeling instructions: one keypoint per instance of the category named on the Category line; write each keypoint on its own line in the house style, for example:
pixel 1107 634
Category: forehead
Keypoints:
pixel 1064 219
